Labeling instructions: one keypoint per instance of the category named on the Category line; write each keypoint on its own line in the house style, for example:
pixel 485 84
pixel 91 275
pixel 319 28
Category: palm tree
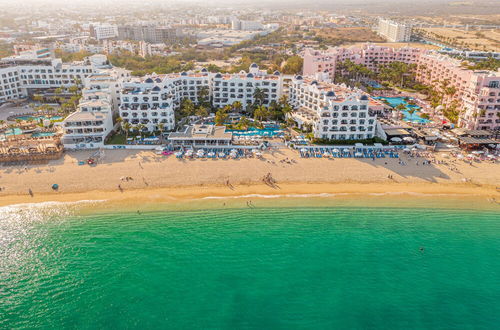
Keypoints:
pixel 161 127
pixel 220 117
pixel 237 106
pixel 119 120
pixel 261 113
pixel 126 126
pixel 259 96
pixel 140 128
pixel 201 111
pixel 203 95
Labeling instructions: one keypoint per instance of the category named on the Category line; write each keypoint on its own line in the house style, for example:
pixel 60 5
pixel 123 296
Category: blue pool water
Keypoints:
pixel 14 131
pixel 42 134
pixel 414 118
pixel 272 132
pixel 40 117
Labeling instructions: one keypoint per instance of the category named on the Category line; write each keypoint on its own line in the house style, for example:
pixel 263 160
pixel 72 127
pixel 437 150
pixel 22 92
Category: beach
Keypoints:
pixel 124 175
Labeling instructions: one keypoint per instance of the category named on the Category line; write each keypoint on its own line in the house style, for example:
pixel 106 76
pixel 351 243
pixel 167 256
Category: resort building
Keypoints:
pixel 229 88
pixel 333 111
pixel 201 136
pixel 88 127
pixel 476 93
pixel 153 99
pixel 369 55
pixel 394 31
pixel 21 77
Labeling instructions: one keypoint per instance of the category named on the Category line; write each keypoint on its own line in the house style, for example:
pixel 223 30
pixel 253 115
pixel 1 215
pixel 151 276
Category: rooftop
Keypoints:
pixel 202 132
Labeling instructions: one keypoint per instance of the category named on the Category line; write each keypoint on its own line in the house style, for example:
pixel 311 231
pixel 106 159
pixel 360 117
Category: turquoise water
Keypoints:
pixel 414 118
pixel 40 134
pixel 18 131
pixel 252 131
pixel 14 131
pixel 274 268
pixel 36 118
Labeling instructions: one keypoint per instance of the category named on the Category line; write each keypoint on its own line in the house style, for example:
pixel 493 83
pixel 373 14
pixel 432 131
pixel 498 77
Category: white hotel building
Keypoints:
pixel 394 31
pixel 20 76
pixel 88 127
pixel 333 111
pixel 153 99
pixel 228 88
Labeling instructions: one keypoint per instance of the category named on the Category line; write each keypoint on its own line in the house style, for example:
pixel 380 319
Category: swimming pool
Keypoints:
pixel 42 134
pixel 36 118
pixel 414 118
pixel 269 132
pixel 14 131
pixel 18 131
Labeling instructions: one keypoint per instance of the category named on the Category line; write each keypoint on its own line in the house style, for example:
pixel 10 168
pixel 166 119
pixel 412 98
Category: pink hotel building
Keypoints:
pixel 477 92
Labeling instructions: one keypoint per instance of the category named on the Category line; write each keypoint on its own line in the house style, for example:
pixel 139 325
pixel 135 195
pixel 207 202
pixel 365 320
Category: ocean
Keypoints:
pixel 299 266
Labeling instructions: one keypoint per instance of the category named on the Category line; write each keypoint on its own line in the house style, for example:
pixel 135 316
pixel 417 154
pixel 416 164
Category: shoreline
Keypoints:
pixel 467 196
pixel 135 177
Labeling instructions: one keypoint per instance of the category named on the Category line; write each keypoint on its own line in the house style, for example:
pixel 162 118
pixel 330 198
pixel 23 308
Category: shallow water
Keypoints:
pixel 299 267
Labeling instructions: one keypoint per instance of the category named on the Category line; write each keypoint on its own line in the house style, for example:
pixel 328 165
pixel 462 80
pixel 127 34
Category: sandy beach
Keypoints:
pixel 158 178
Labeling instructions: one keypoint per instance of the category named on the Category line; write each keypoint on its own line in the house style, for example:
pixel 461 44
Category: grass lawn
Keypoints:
pixel 117 139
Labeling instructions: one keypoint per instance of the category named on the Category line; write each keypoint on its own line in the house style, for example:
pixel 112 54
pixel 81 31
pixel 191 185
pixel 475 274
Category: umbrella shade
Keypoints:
pixel 303 150
pixel 336 150
pixel 408 139
pixel 396 139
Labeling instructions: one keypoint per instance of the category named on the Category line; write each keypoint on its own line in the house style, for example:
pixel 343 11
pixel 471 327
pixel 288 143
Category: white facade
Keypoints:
pixel 333 112
pixel 18 76
pixel 10 84
pixel 153 99
pixel 104 31
pixel 88 127
pixel 229 88
pixel 394 31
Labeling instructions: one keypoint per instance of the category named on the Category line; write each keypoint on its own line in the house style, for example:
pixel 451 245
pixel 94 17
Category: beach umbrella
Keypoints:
pixel 408 139
pixel 255 151
pixel 178 154
pixel 303 150
pixel 55 186
pixel 406 149
pixel 460 156
pixel 491 156
pixel 336 150
pixel 211 154
pixel 326 154
pixel 358 154
pixel 222 155
pixel 396 139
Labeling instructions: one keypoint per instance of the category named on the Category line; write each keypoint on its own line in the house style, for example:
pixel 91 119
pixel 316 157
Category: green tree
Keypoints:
pixel 261 113
pixel 237 106
pixel 259 96
pixel 293 65
pixel 221 117
pixel 187 108
pixel 201 111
